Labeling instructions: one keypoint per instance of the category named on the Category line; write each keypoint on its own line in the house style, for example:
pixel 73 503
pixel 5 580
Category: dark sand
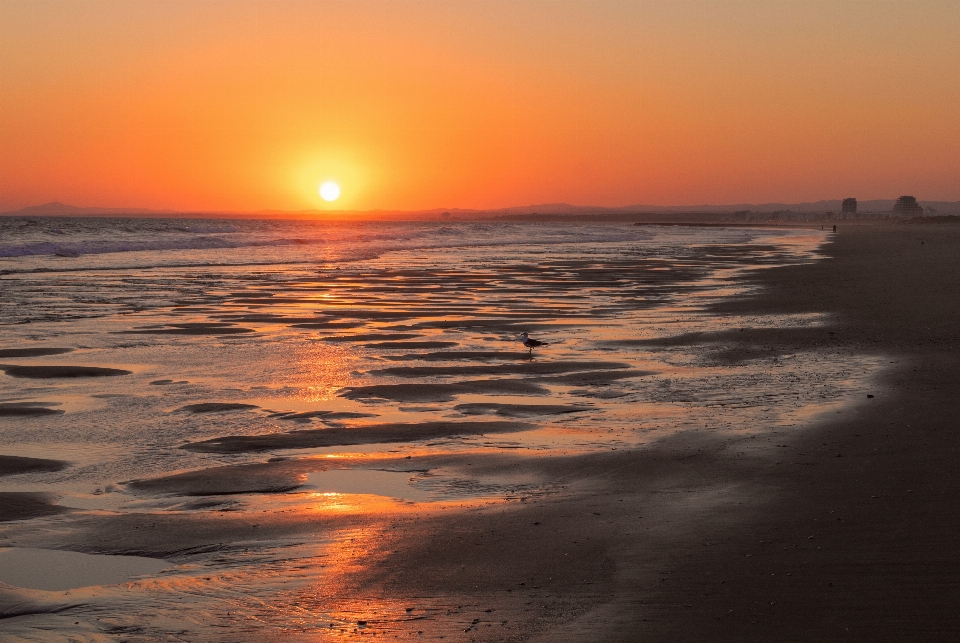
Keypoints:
pixel 26 409
pixel 202 330
pixel 441 392
pixel 56 372
pixel 518 410
pixel 274 477
pixel 328 325
pixel 369 337
pixel 343 436
pixel 593 378
pixel 16 505
pixel 326 415
pixel 442 356
pixel 32 352
pixel 217 407
pixel 14 464
pixel 529 367
pixel 410 345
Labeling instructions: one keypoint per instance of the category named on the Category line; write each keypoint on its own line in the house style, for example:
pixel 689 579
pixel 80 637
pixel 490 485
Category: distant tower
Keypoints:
pixel 849 206
pixel 907 206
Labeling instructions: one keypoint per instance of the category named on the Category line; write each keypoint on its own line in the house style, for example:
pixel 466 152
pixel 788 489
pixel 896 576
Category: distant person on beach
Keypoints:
pixel 834 228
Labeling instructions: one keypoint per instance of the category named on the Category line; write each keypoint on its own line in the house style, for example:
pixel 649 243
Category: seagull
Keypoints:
pixel 530 343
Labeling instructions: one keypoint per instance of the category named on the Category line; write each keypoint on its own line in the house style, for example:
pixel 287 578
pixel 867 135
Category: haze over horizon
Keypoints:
pixel 250 106
pixel 866 206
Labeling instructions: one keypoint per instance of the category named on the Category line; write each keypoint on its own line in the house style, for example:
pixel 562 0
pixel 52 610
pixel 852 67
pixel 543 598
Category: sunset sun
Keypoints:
pixel 329 191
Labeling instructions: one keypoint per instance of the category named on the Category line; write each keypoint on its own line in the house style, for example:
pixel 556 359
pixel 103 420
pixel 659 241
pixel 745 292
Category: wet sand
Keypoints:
pixel 339 436
pixel 56 372
pixel 12 465
pixel 838 527
pixel 26 409
pixel 845 531
pixel 21 505
pixel 32 352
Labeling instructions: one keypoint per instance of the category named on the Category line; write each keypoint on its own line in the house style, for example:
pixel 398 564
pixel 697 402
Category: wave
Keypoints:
pixel 288 243
pixel 102 246
pixel 208 229
pixel 360 241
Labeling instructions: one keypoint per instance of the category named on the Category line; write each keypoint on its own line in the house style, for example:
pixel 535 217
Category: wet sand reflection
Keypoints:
pixel 339 454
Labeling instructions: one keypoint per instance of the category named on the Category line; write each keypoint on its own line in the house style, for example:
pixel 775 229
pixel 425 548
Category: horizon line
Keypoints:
pixel 555 208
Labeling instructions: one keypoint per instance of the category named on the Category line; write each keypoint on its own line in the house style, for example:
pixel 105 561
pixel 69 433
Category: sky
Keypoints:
pixel 408 105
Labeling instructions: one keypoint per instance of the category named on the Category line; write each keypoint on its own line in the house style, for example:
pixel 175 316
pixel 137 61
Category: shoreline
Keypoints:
pixel 801 219
pixel 726 529
pixel 856 539
pixel 849 537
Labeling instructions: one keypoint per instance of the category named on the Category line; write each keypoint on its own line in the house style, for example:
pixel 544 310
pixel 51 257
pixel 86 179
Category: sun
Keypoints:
pixel 330 191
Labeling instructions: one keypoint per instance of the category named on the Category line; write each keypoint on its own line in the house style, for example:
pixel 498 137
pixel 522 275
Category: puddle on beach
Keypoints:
pixel 392 484
pixel 49 397
pixel 420 485
pixel 55 571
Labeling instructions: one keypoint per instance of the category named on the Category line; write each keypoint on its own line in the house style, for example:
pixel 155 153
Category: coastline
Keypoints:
pixel 855 540
pixel 719 533
pixel 851 536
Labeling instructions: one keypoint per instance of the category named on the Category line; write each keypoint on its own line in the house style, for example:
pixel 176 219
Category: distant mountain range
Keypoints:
pixel 877 206
pixel 57 209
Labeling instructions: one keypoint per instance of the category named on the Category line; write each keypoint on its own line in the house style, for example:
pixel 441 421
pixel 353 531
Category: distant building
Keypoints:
pixel 907 206
pixel 849 206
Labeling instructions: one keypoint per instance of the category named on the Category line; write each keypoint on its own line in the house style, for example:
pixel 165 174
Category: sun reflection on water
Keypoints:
pixel 289 545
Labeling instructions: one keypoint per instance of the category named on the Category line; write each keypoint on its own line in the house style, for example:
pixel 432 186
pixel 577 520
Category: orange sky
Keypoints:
pixel 411 105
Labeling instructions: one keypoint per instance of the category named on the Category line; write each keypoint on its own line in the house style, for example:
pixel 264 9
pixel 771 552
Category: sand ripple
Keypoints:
pixel 27 409
pixel 343 436
pixel 54 372
pixel 32 352
pixel 16 505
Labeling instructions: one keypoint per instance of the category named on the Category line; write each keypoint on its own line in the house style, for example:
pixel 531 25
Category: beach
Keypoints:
pixel 732 434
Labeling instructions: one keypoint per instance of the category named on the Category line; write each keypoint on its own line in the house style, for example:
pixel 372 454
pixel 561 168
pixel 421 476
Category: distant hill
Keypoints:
pixel 57 209
pixel 879 206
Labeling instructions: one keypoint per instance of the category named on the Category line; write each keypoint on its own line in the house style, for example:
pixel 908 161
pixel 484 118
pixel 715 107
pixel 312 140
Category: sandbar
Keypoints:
pixel 32 352
pixel 368 337
pixel 201 330
pixel 58 372
pixel 528 367
pixel 343 436
pixel 15 464
pixel 442 392
pixel 410 345
pixel 518 410
pixel 217 407
pixel 27 409
pixel 16 505
pixel 480 356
